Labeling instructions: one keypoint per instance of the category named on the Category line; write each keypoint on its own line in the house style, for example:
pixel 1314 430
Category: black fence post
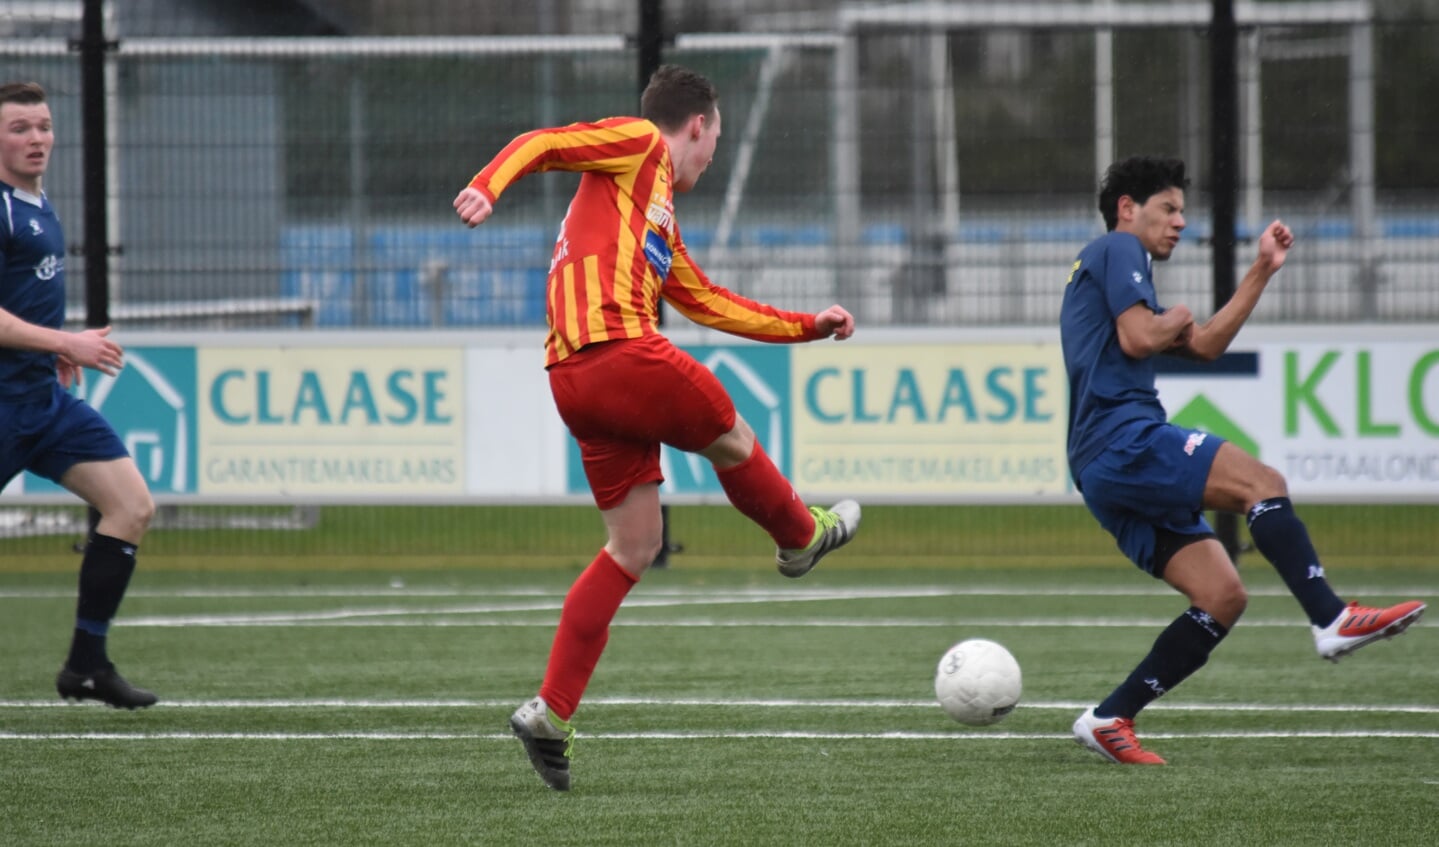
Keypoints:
pixel 650 40
pixel 1224 176
pixel 96 247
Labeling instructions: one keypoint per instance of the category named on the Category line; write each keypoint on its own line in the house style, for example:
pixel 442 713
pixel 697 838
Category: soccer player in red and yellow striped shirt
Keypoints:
pixel 622 388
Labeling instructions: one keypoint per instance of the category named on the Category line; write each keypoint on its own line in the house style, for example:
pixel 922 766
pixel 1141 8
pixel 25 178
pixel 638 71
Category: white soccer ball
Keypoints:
pixel 977 682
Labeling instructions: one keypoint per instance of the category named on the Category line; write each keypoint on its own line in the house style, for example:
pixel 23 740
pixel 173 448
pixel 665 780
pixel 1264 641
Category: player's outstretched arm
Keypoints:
pixel 472 206
pixel 1274 246
pixel 1213 337
pixel 88 348
pixel 835 323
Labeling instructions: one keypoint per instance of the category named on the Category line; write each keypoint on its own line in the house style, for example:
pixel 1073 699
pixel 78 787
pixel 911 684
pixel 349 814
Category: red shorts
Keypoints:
pixel 622 399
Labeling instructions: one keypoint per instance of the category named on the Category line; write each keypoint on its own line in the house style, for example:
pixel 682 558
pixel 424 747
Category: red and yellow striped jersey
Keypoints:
pixel 619 249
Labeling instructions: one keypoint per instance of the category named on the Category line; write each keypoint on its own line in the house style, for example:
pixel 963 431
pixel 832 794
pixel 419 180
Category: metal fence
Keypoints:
pixel 922 163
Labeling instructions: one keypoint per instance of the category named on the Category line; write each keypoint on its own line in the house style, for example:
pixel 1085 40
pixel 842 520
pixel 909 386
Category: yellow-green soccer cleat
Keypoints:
pixel 833 528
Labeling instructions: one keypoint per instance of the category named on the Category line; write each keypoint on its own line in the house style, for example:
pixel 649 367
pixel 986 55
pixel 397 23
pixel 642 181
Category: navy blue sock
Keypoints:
pixel 104 575
pixel 1180 650
pixel 87 652
pixel 1280 535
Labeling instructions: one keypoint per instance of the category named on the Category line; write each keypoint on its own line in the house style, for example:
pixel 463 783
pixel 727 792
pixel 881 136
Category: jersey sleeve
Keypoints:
pixel 691 292
pixel 615 146
pixel 1126 277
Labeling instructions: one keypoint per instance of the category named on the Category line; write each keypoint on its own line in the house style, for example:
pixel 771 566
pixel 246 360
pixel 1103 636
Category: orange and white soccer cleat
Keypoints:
pixel 1359 625
pixel 1113 738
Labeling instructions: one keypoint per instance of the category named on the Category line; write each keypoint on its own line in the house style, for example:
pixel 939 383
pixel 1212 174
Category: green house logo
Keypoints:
pixel 1201 413
pixel 150 404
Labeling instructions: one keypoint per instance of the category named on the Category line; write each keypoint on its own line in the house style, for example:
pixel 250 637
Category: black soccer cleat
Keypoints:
pixel 105 685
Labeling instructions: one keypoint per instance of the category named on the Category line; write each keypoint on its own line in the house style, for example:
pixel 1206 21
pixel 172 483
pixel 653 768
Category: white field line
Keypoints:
pixel 728 703
pixel 462 614
pixel 956 736
pixel 437 618
pixel 698 594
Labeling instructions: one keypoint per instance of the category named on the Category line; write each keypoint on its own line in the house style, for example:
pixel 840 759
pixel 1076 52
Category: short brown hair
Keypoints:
pixel 674 95
pixel 22 92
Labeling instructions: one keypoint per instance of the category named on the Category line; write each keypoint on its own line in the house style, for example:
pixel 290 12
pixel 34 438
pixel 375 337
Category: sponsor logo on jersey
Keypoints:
pixel 657 250
pixel 1192 444
pixel 659 213
pixel 562 252
pixel 49 266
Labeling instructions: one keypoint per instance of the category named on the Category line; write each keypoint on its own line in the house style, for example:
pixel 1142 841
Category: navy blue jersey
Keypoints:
pixel 32 285
pixel 1107 388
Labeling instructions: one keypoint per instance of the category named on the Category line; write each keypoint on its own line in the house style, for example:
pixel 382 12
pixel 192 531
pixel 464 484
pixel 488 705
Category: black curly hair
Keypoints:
pixel 1138 178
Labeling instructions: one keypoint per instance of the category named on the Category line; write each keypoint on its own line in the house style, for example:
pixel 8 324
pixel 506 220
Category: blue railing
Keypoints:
pixel 412 276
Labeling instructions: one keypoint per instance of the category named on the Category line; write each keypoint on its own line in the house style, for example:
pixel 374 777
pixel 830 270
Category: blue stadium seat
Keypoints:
pixel 318 264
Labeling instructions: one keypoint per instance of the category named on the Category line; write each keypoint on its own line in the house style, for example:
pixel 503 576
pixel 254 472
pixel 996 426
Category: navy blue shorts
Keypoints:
pixel 1147 489
pixel 50 435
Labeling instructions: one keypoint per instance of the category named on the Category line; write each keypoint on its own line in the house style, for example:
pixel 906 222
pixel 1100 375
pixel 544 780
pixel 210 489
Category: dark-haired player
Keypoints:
pixel 1148 481
pixel 43 428
pixel 622 388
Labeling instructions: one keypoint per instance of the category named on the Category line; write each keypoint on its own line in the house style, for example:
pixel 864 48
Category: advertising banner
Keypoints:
pixel 1340 420
pixel 287 418
pixel 383 422
pixel 151 405
pixel 515 440
pixel 941 421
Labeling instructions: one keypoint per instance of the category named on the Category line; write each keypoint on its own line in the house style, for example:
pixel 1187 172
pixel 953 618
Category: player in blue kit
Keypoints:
pixel 1148 481
pixel 43 428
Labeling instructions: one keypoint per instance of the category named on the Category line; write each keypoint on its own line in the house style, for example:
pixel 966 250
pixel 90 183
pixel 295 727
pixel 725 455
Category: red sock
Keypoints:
pixel 762 494
pixel 584 629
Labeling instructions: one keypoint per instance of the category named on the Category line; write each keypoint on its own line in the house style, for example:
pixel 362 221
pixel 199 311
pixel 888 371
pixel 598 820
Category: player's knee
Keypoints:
pixel 733 448
pixel 134 515
pixel 635 555
pixel 1269 483
pixel 146 511
pixel 652 551
pixel 1227 602
pixel 1236 601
